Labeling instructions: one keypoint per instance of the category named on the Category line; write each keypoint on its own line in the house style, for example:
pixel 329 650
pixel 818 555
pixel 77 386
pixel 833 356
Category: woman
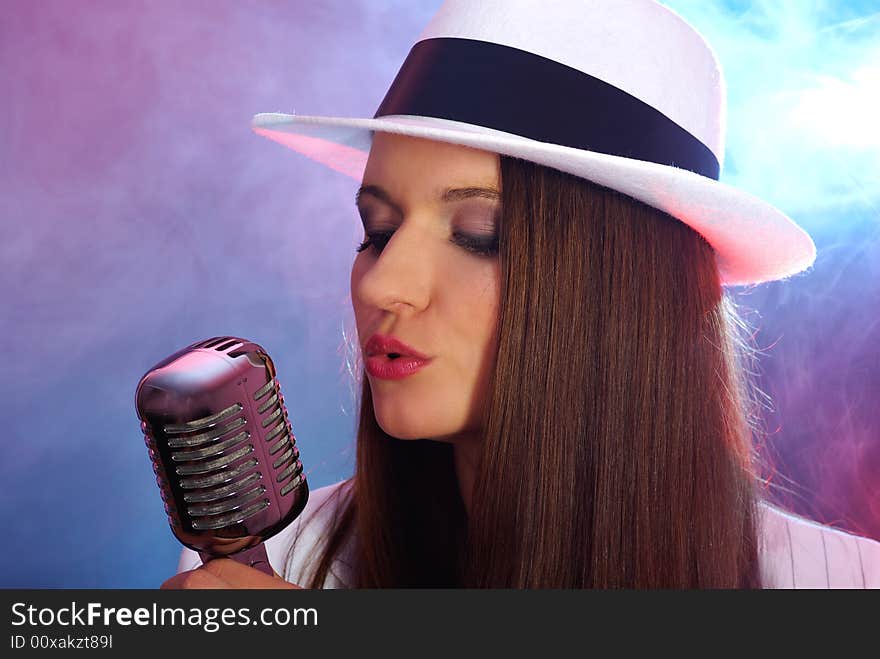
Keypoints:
pixel 545 232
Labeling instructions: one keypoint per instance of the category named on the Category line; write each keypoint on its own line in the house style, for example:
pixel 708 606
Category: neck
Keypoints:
pixel 466 455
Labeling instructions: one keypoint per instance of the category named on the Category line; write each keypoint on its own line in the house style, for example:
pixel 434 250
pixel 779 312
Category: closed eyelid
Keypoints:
pixel 478 217
pixel 477 196
pixel 476 243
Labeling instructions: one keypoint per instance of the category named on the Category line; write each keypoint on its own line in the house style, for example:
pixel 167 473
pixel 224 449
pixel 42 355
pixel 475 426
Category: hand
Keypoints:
pixel 225 573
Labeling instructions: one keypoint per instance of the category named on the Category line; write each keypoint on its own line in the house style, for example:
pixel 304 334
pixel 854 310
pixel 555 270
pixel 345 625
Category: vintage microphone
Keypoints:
pixel 221 444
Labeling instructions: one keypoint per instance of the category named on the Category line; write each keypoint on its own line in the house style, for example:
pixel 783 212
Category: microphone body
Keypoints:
pixel 222 448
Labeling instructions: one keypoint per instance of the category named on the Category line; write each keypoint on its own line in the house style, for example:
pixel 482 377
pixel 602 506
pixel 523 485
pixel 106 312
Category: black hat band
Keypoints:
pixel 511 90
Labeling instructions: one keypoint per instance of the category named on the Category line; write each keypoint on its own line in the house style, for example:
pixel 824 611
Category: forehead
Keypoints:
pixel 414 162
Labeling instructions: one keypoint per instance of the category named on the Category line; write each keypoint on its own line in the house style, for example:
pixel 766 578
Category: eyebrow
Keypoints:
pixel 446 196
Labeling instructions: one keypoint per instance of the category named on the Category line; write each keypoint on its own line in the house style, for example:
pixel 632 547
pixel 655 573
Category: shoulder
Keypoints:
pixel 295 551
pixel 799 553
pixel 299 547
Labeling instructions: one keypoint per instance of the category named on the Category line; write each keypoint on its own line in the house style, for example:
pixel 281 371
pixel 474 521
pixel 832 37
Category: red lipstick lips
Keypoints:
pixel 390 359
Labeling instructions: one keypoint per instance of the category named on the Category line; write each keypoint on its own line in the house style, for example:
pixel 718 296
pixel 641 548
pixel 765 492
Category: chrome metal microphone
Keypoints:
pixel 225 456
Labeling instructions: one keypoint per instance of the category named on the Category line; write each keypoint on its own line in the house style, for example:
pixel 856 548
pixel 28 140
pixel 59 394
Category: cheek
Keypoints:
pixel 478 300
pixel 486 287
pixel 491 309
pixel 357 273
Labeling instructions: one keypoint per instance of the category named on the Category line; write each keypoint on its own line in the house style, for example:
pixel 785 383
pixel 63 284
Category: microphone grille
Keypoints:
pixel 221 444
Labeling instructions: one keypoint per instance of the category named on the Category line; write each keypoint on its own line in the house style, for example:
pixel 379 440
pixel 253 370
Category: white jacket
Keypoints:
pixel 795 552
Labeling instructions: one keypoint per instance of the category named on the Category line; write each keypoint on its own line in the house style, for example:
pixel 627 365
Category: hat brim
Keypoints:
pixel 754 241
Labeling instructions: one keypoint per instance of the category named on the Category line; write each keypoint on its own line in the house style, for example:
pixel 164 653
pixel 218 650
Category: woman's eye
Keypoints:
pixel 375 239
pixel 485 246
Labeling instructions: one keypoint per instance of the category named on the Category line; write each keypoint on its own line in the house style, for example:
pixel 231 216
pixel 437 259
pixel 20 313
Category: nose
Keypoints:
pixel 398 278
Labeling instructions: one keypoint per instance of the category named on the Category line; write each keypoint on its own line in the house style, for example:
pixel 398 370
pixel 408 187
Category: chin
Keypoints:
pixel 413 429
pixel 401 430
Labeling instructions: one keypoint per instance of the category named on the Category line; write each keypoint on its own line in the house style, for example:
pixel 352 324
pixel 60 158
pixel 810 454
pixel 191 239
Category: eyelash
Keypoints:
pixel 474 245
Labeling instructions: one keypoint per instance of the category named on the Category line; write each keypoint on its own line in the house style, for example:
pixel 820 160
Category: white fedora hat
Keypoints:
pixel 623 93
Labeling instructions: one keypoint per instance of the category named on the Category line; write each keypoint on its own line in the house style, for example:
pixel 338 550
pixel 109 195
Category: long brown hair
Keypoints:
pixel 617 450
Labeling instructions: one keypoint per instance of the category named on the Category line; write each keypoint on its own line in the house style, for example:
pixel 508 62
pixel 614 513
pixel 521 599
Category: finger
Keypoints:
pixel 238 575
pixel 194 579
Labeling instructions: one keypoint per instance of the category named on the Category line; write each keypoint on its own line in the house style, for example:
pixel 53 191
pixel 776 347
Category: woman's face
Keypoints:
pixel 424 286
